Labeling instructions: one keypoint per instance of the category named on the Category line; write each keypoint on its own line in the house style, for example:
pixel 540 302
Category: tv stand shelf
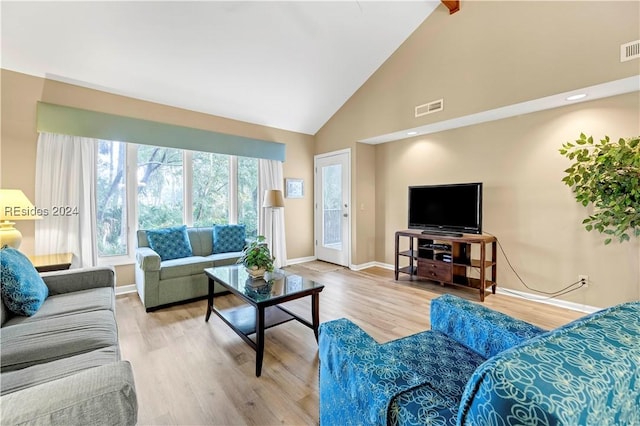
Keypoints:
pixel 447 259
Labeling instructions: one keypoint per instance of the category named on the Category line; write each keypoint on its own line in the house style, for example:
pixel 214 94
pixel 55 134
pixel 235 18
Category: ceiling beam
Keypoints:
pixel 452 5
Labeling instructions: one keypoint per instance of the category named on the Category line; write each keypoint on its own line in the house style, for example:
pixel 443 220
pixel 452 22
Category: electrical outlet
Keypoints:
pixel 585 279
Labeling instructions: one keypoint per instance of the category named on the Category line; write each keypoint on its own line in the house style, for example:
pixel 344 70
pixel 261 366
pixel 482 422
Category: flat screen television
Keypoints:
pixel 450 209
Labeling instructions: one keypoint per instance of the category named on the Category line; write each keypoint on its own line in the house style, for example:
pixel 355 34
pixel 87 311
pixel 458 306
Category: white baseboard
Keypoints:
pixel 544 299
pixel 507 292
pixel 365 266
pixel 300 260
pixel 125 289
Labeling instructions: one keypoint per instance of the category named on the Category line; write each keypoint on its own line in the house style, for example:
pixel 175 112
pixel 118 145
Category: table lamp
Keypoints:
pixel 14 205
pixel 273 199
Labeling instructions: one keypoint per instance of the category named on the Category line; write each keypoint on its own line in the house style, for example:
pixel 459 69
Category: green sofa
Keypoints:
pixel 62 365
pixel 165 282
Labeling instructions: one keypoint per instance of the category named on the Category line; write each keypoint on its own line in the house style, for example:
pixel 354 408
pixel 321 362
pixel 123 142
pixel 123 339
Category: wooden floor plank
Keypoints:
pixel 189 371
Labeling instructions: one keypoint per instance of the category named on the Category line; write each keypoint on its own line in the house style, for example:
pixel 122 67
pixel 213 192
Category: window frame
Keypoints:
pixel 131 157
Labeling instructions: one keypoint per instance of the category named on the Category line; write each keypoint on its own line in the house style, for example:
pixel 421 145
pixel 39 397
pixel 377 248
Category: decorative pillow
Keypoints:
pixel 170 243
pixel 23 291
pixel 228 238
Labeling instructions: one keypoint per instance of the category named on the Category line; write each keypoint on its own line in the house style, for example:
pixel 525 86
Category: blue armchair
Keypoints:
pixel 477 366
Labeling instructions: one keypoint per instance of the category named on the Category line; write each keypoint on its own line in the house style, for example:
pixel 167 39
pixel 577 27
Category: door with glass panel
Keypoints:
pixel 332 212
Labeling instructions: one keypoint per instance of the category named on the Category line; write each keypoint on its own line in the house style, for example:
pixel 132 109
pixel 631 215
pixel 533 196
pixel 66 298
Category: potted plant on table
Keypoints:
pixel 257 258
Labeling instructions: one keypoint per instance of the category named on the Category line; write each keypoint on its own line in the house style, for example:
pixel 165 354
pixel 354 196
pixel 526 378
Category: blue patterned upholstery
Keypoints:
pixel 480 367
pixel 475 326
pixel 585 373
pixel 170 243
pixel 23 290
pixel 228 238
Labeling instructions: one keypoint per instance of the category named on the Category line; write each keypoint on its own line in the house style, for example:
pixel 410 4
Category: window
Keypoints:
pixel 210 189
pixel 248 194
pixel 220 189
pixel 111 212
pixel 160 187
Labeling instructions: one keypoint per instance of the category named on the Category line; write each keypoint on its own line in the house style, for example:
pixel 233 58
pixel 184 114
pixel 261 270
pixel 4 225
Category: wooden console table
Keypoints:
pixel 51 262
pixel 448 260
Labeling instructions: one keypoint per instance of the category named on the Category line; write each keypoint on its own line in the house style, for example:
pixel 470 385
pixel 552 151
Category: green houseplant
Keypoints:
pixel 607 175
pixel 256 257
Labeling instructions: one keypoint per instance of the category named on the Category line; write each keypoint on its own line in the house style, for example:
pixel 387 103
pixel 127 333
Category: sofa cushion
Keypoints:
pixel 170 243
pixel 586 372
pixel 36 342
pixel 36 374
pixel 93 299
pixel 176 268
pixel 23 290
pixel 201 240
pixel 228 238
pixel 103 395
pixel 222 259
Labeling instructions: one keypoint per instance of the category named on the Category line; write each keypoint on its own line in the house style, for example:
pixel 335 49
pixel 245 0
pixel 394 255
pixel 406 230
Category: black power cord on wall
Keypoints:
pixel 553 294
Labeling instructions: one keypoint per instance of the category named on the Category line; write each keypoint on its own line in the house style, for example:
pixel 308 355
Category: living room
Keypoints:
pixel 487 56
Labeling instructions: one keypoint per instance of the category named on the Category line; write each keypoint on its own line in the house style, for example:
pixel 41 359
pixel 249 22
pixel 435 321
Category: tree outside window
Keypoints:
pixel 111 212
pixel 160 187
pixel 210 189
pixel 248 194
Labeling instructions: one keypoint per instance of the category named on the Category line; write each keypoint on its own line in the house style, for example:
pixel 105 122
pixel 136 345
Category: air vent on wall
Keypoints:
pixel 629 51
pixel 430 107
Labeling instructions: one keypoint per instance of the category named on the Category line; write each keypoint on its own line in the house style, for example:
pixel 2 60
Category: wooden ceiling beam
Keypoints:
pixel 452 5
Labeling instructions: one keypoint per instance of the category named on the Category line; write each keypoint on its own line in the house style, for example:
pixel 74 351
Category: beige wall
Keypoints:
pixel 20 94
pixel 533 214
pixel 489 55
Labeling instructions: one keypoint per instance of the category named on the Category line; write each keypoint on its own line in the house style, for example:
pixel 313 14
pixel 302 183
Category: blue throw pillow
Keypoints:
pixel 170 243
pixel 23 291
pixel 228 238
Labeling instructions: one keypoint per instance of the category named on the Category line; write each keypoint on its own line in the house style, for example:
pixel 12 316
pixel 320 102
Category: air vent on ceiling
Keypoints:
pixel 430 107
pixel 629 51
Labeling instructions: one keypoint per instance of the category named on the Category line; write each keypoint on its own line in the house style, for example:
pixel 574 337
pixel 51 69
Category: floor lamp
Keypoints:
pixel 273 199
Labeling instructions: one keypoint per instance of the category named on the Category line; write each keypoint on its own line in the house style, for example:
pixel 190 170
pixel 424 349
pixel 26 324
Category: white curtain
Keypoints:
pixel 65 185
pixel 271 177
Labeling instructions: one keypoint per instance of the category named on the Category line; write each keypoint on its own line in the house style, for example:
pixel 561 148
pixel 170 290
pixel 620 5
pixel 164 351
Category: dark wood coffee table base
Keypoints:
pixel 255 318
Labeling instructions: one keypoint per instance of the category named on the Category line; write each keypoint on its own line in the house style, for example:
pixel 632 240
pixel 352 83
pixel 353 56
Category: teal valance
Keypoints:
pixel 66 120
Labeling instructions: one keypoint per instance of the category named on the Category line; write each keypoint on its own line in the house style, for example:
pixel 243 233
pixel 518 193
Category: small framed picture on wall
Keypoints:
pixel 294 188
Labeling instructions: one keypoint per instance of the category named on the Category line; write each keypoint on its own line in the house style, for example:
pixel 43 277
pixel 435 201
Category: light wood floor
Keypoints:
pixel 191 372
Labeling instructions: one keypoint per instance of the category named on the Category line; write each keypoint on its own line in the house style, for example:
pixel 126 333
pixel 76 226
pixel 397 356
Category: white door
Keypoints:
pixel 332 215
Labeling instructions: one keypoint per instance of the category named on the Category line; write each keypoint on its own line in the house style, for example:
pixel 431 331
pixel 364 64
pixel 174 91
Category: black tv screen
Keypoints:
pixel 451 208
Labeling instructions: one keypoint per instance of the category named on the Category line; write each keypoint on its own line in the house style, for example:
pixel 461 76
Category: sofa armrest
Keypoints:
pixel 72 280
pixel 100 395
pixel 147 259
pixel 360 378
pixel 483 330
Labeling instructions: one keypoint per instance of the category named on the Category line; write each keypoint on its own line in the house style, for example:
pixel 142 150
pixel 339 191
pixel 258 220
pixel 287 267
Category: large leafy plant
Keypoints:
pixel 256 255
pixel 607 175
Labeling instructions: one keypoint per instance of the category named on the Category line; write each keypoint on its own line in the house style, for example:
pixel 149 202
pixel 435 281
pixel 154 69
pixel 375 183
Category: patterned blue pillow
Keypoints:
pixel 23 290
pixel 170 243
pixel 228 238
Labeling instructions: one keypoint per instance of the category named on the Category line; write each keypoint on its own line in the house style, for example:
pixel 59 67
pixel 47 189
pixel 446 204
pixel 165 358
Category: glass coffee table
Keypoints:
pixel 262 299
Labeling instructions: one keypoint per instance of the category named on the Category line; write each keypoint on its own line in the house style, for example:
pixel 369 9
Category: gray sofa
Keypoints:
pixel 62 365
pixel 160 283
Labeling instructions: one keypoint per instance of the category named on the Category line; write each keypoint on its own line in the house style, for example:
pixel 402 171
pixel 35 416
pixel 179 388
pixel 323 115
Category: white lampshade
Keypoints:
pixel 273 199
pixel 14 205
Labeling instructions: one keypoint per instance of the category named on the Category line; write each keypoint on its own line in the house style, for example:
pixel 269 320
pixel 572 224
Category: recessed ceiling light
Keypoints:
pixel 412 133
pixel 576 97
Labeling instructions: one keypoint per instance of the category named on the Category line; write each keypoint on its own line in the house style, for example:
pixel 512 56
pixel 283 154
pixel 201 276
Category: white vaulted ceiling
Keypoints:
pixel 289 65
